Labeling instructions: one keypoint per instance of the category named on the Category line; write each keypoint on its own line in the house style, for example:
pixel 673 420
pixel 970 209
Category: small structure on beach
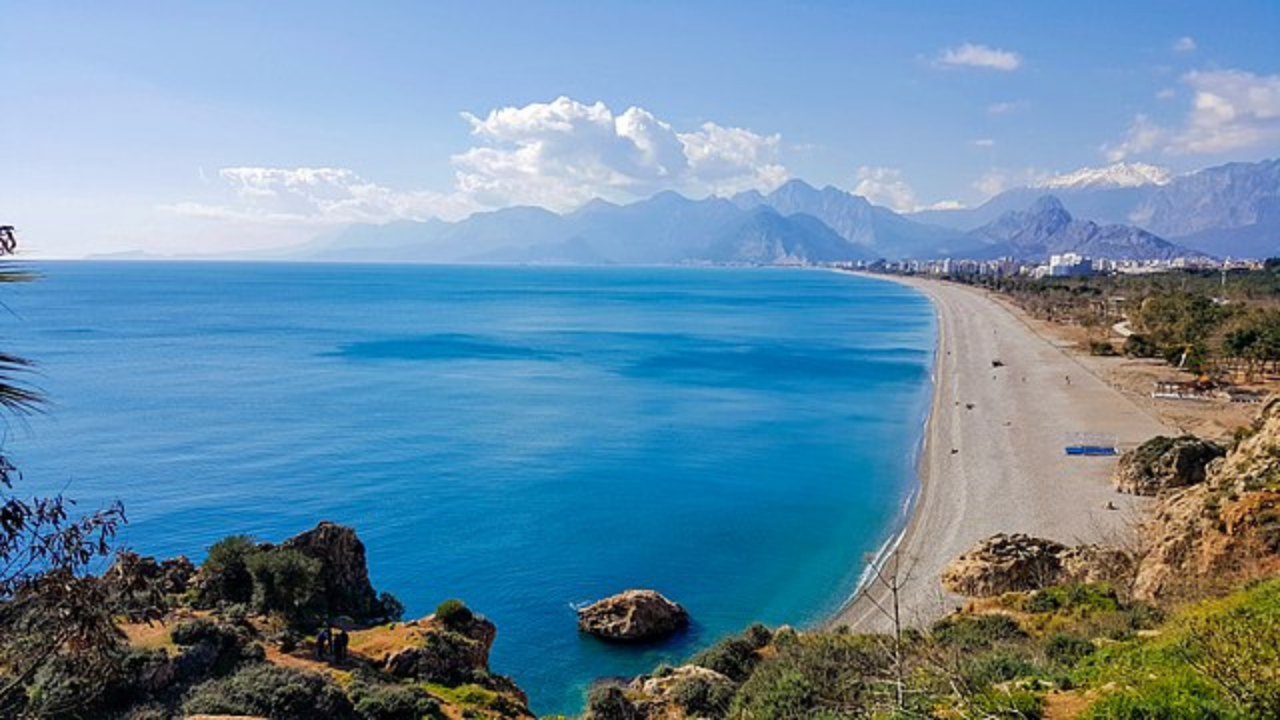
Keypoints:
pixel 1092 444
pixel 1183 390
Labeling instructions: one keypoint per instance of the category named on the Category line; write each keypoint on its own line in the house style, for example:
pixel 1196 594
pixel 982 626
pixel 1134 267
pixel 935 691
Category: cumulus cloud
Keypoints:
pixel 997 180
pixel 556 155
pixel 1143 135
pixel 981 56
pixel 562 153
pixel 888 187
pixel 885 186
pixel 1184 44
pixel 984 143
pixel 1231 110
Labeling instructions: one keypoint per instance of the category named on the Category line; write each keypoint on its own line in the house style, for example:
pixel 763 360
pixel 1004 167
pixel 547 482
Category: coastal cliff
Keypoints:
pixel 283 631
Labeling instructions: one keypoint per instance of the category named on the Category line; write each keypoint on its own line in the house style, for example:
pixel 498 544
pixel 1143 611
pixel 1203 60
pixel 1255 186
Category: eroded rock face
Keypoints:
pixel 445 655
pixel 667 695
pixel 632 616
pixel 1005 563
pixel 1162 464
pixel 343 569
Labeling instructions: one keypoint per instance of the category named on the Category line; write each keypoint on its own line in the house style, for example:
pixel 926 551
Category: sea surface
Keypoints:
pixel 526 439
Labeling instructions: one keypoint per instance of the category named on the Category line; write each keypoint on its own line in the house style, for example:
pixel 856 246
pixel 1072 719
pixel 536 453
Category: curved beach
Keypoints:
pixel 993 457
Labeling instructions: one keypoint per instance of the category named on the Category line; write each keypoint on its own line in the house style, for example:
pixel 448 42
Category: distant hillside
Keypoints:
pixel 1047 228
pixel 1228 210
pixel 881 231
pixel 665 229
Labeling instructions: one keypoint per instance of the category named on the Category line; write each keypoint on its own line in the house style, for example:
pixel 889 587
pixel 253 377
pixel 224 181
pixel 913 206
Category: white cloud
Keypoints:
pixel 885 186
pixel 556 155
pixel 1184 44
pixel 981 56
pixel 1166 94
pixel 997 180
pixel 1143 136
pixel 1004 108
pixel 316 196
pixel 1231 110
pixel 888 187
pixel 561 154
pixel 984 143
pixel 944 205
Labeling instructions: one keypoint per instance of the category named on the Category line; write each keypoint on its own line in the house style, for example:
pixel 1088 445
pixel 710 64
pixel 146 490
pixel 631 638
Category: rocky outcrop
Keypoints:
pixel 1005 563
pixel 448 655
pixel 344 573
pixel 1021 563
pixel 1226 530
pixel 631 616
pixel 679 692
pixel 1163 463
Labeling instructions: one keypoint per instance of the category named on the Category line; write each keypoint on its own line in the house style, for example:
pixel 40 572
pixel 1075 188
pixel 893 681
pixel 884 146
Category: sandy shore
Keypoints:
pixel 993 458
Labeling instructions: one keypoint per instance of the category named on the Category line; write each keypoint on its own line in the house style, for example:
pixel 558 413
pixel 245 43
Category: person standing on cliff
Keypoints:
pixel 340 642
pixel 322 643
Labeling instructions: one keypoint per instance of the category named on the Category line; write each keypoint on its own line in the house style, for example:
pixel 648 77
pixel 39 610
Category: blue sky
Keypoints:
pixel 177 127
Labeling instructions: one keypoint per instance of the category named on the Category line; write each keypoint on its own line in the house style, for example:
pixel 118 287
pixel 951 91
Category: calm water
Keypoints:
pixel 525 439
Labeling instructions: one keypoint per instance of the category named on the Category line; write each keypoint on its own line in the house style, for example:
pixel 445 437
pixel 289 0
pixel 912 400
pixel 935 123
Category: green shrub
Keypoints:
pixel 1007 703
pixel 1140 346
pixel 1066 649
pixel 977 632
pixel 285 582
pixel 734 657
pixel 203 629
pixel 390 607
pixel 996 667
pixel 454 614
pixel 702 698
pixel 1099 597
pixel 224 575
pixel 1175 698
pixel 271 691
pixel 1102 348
pixel 393 702
pixel 609 702
pixel 814 672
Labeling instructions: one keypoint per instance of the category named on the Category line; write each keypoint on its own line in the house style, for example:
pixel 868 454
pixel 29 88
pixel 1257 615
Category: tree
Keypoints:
pixel 55 618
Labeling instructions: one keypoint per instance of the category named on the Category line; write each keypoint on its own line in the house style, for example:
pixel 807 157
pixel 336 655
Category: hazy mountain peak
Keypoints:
pixel 1119 175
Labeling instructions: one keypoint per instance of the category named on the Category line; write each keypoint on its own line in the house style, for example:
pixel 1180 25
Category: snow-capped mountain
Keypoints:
pixel 1119 175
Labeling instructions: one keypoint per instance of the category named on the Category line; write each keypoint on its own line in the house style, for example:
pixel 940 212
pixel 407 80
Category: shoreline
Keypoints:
pixel 990 458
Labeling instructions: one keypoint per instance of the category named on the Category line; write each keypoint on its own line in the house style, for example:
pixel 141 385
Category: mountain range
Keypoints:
pixel 1230 210
pixel 1124 211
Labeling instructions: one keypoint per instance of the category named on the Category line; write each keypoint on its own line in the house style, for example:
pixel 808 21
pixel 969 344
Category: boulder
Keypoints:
pixel 671 693
pixel 1164 463
pixel 1005 563
pixel 1095 563
pixel 631 616
pixel 344 573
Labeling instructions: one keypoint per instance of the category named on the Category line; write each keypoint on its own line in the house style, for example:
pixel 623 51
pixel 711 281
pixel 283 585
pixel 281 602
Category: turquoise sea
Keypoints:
pixel 526 439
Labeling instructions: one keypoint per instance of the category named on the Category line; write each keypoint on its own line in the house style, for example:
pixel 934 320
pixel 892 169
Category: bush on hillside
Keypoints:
pixel 977 632
pixel 813 673
pixel 609 702
pixel 285 581
pixel 271 691
pixel 224 575
pixel 454 614
pixel 393 702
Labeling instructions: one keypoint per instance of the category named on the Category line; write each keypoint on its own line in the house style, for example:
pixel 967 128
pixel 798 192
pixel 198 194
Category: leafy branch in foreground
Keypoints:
pixel 55 618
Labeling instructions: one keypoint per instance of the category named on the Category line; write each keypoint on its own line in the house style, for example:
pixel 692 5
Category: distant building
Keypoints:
pixel 1069 265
